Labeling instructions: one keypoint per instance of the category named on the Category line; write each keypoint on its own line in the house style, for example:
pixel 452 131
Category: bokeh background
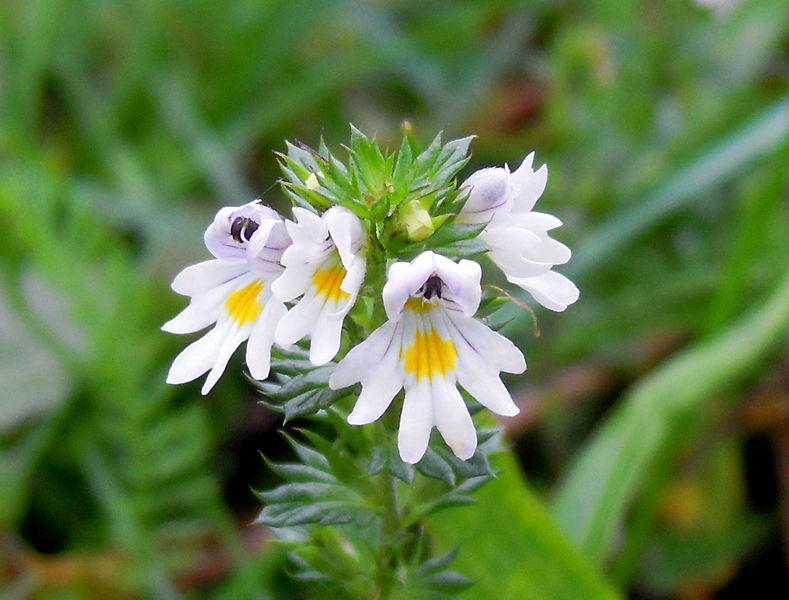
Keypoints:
pixel 655 415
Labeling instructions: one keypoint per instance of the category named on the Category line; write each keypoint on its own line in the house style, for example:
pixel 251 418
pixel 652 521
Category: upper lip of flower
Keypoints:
pixel 460 282
pixel 234 227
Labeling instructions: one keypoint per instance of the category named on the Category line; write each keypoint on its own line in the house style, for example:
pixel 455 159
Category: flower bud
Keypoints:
pixel 311 183
pixel 488 191
pixel 415 221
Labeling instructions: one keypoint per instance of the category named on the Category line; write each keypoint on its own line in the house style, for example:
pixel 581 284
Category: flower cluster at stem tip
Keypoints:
pixel 278 281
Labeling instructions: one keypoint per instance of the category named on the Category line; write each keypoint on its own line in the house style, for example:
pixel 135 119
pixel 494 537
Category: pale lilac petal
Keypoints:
pixel 309 227
pixel 513 265
pixel 489 191
pixel 265 249
pixel 536 221
pixel 549 251
pixel 354 277
pixel 218 238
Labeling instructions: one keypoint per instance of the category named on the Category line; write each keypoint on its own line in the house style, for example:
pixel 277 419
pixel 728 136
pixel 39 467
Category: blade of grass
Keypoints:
pixel 605 476
pixel 724 160
pixel 512 546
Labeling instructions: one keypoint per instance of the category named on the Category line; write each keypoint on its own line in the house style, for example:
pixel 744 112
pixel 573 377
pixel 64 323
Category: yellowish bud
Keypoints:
pixel 416 221
pixel 311 182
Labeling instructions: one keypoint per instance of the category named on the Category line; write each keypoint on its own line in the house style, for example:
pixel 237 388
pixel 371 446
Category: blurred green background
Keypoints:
pixel 654 433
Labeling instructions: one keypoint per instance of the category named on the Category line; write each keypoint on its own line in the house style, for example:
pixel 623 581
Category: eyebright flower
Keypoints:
pixel 325 266
pixel 233 291
pixel 517 235
pixel 430 343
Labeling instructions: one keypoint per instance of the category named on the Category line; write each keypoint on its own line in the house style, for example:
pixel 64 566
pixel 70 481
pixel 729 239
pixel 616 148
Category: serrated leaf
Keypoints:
pixel 293 492
pixel 448 581
pixel 402 168
pixel 330 512
pixel 463 248
pixel 453 232
pixel 433 465
pixel 438 562
pixel 305 393
pixel 295 472
pixel 477 466
pixel 308 456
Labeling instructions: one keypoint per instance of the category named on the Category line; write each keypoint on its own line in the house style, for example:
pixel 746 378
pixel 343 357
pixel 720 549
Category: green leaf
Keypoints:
pixel 305 393
pixel 539 561
pixel 435 466
pixel 606 475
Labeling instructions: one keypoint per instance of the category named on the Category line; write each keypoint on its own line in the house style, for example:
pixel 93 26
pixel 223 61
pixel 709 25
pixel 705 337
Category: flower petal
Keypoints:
pixel 403 280
pixel 490 191
pixel 198 357
pixel 453 419
pixel 552 290
pixel 206 275
pixel 347 233
pixel 549 251
pixel 356 364
pixel 528 185
pixel 326 337
pixel 198 315
pixel 299 321
pixel 416 421
pixel 293 282
pixel 492 347
pixel 218 237
pixel 536 221
pixel 261 338
pixel 462 280
pixel 265 249
pixel 379 385
pixel 235 336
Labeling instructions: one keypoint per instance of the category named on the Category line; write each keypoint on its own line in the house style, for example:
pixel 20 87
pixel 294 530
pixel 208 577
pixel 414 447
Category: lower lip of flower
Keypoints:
pixel 327 283
pixel 429 356
pixel 243 305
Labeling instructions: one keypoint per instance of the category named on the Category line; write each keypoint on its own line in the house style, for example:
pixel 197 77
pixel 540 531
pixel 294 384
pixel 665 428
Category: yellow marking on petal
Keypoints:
pixel 327 283
pixel 419 305
pixel 243 305
pixel 430 355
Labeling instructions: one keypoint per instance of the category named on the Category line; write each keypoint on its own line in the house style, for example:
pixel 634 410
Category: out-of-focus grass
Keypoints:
pixel 124 125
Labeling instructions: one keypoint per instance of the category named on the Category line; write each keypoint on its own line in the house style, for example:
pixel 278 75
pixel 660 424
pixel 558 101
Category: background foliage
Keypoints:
pixel 651 455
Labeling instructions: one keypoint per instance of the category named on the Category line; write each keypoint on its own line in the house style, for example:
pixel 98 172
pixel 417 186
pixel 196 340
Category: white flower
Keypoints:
pixel 325 265
pixel 233 291
pixel 517 235
pixel 431 343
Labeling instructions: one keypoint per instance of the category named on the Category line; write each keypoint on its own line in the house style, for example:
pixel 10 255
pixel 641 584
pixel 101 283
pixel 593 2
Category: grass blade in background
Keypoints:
pixel 606 475
pixel 513 548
